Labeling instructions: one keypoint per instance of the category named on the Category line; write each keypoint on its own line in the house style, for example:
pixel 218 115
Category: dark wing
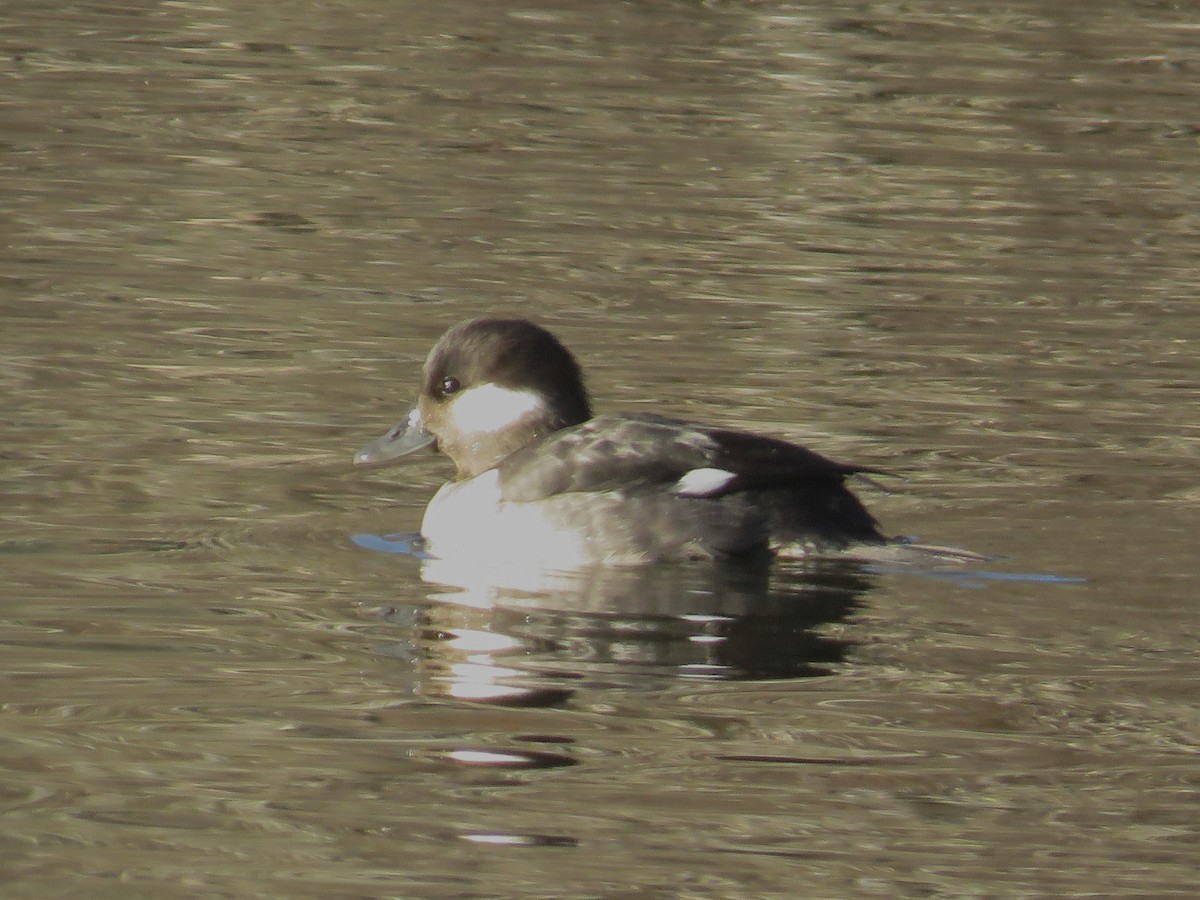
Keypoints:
pixel 629 452
pixel 766 462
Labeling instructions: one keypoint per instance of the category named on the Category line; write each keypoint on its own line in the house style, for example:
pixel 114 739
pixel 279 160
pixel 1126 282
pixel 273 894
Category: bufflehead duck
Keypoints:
pixel 539 477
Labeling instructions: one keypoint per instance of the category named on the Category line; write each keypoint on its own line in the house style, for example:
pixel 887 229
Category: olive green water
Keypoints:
pixel 955 242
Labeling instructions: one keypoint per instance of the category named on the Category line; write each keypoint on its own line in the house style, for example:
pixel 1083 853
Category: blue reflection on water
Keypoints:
pixel 401 543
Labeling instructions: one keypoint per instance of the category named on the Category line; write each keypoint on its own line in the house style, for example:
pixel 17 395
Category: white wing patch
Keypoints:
pixel 490 407
pixel 702 482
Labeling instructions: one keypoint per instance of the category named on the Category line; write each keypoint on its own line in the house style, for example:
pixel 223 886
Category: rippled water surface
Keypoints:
pixel 957 241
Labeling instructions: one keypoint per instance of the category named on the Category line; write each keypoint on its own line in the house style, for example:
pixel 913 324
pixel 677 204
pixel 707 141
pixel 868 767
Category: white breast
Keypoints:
pixel 467 523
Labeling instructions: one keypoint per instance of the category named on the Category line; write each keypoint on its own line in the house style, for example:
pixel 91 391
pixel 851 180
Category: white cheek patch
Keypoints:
pixel 703 482
pixel 490 407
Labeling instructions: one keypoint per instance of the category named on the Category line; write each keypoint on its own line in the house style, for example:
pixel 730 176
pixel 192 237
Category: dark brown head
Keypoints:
pixel 489 388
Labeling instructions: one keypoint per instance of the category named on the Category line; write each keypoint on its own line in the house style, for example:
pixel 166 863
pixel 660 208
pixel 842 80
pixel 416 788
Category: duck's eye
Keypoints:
pixel 449 386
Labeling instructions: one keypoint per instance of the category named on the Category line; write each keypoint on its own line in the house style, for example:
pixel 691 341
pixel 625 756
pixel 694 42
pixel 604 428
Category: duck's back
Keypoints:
pixel 648 487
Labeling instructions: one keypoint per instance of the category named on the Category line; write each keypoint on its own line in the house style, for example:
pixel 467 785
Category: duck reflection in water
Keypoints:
pixel 634 628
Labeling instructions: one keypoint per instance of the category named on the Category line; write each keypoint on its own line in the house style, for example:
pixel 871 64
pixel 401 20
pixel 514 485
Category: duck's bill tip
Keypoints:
pixel 403 440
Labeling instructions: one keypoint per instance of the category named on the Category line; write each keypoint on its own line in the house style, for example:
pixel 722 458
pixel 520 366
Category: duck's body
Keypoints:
pixel 541 479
